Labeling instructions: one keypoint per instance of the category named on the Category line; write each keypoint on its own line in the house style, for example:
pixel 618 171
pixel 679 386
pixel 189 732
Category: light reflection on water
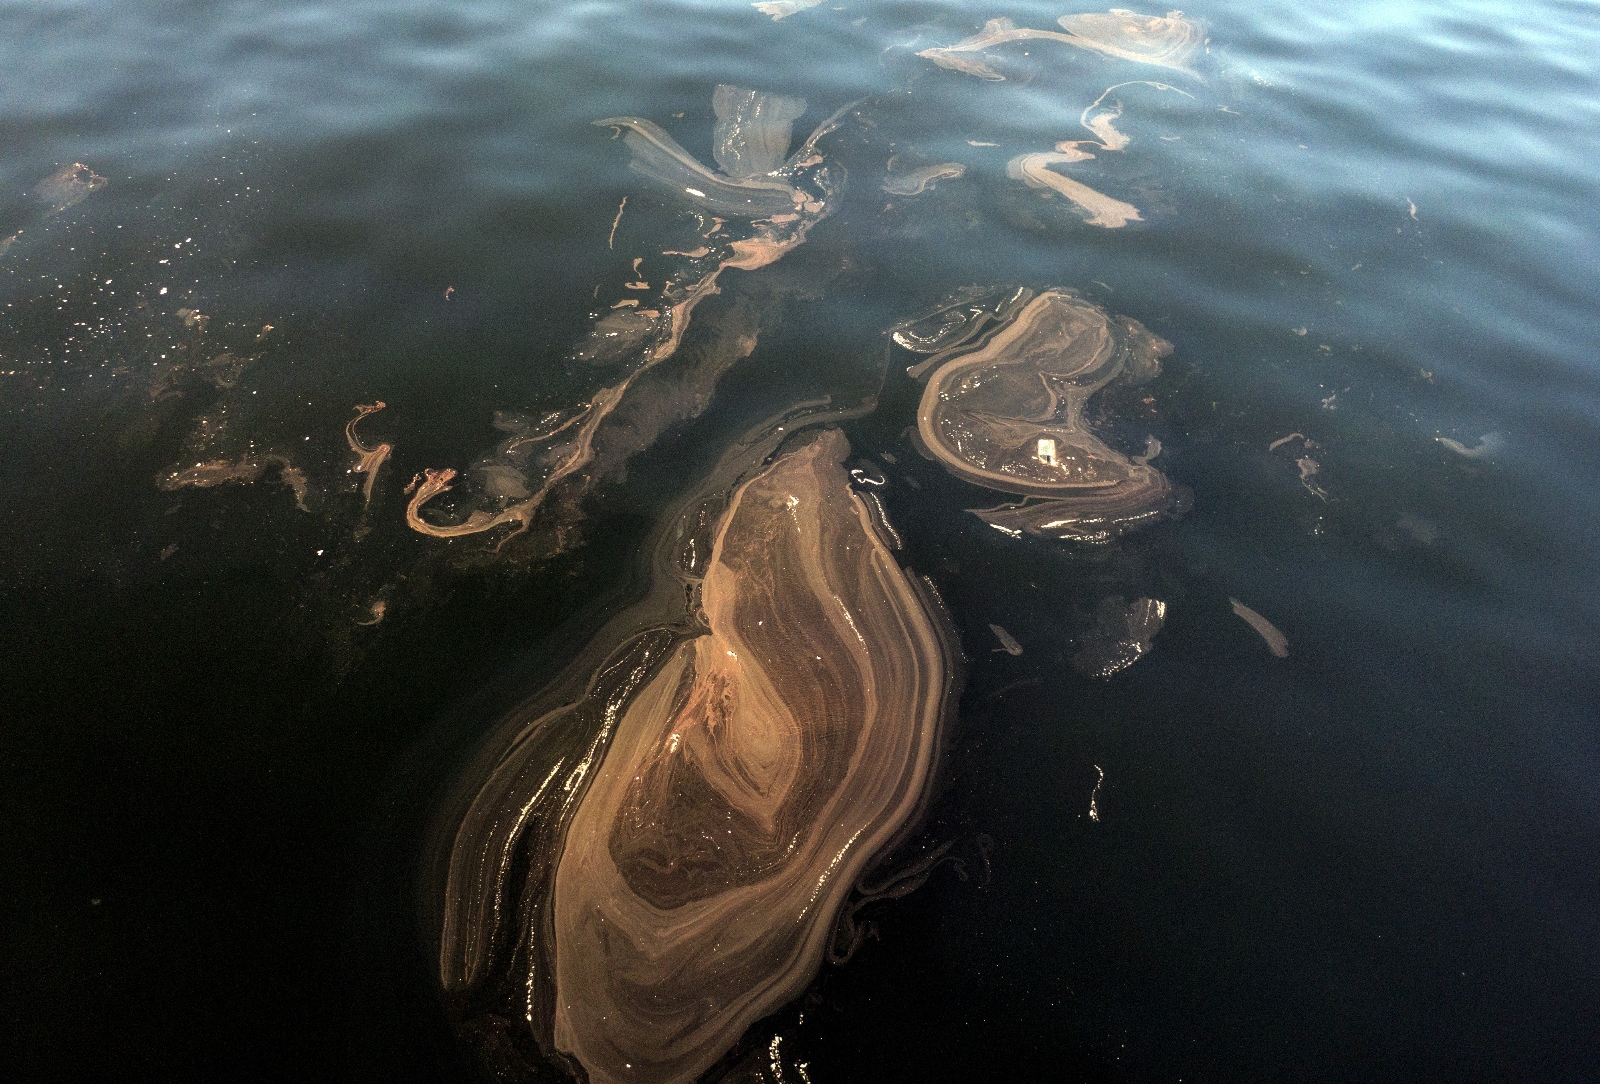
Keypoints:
pixel 413 196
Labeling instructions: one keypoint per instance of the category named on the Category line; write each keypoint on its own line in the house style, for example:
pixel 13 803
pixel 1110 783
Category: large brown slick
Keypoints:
pixel 755 769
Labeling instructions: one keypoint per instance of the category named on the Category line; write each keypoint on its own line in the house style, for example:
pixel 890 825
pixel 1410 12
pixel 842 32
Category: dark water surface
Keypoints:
pixel 1373 225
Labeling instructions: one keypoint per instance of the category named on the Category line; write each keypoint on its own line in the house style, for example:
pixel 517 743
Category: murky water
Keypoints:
pixel 1333 813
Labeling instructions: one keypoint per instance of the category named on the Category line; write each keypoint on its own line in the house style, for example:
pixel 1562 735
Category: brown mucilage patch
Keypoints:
pixel 1004 410
pixel 664 858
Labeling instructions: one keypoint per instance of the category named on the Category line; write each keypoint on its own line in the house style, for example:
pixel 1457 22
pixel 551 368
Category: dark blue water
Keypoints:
pixel 1372 225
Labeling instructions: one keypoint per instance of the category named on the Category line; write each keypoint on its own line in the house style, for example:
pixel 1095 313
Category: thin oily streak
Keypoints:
pixel 1034 171
pixel 1008 642
pixel 753 131
pixel 370 458
pixel 1277 643
pixel 1164 42
pixel 615 222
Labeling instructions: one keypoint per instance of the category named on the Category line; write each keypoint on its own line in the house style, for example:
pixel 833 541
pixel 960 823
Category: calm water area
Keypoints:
pixel 231 710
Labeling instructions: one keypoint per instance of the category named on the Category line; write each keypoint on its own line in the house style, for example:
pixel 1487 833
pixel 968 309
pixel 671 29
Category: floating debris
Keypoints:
pixel 1094 795
pixel 1277 643
pixel 1281 441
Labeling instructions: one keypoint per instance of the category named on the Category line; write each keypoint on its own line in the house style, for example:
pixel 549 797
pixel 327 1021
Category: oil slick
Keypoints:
pixel 370 459
pixel 1144 39
pixel 1276 642
pixel 1488 445
pixel 1034 171
pixel 245 470
pixel 1008 642
pixel 782 9
pixel 1123 633
pixel 1164 42
pixel 958 320
pixel 775 200
pixel 68 187
pixel 917 181
pixel 1006 413
pixel 658 858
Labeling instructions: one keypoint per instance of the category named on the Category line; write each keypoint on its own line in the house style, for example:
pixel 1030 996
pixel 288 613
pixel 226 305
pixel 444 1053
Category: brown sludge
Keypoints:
pixel 1122 634
pixel 1277 643
pixel 917 181
pixel 68 187
pixel 1008 642
pixel 1007 414
pixel 752 130
pixel 1034 171
pixel 655 851
pixel 749 783
pixel 1165 42
pixel 371 458
pixel 244 470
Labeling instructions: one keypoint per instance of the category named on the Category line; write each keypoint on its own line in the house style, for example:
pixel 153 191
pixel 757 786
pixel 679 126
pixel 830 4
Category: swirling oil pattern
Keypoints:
pixel 749 776
pixel 1008 415
pixel 448 639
